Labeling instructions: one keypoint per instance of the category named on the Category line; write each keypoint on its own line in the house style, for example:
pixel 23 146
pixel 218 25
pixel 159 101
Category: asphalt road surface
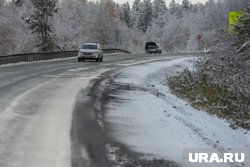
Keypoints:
pixel 49 111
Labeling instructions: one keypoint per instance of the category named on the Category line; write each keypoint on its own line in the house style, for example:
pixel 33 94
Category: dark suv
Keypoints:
pixel 152 47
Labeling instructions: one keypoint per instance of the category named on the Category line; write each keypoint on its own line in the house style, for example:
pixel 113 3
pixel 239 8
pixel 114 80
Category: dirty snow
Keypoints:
pixel 160 125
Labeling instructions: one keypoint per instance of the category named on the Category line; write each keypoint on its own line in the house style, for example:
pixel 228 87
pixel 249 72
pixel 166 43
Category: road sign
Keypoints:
pixel 233 18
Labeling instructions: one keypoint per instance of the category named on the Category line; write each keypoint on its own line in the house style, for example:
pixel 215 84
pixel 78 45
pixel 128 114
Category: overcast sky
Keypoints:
pixel 167 1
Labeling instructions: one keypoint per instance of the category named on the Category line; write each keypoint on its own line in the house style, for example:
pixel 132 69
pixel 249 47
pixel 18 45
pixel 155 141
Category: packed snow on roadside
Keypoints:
pixel 157 123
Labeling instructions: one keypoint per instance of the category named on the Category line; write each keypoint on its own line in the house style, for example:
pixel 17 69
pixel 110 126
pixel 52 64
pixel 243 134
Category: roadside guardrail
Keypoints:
pixel 30 57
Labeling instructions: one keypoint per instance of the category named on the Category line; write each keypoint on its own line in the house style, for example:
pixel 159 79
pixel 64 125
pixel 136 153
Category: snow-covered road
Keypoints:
pixel 37 107
pixel 35 126
pixel 63 113
pixel 147 118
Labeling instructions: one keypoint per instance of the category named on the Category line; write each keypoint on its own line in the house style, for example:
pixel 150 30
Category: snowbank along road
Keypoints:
pixel 63 113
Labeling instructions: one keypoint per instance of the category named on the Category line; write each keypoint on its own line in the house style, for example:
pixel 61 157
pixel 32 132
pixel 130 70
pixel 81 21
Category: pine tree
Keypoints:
pixel 159 8
pixel 127 14
pixel 145 16
pixel 135 13
pixel 175 9
pixel 39 22
pixel 172 7
pixel 18 3
pixel 2 2
pixel 185 4
pixel 119 8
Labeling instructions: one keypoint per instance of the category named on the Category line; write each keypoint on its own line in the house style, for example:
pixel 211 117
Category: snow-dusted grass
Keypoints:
pixel 213 98
pixel 154 121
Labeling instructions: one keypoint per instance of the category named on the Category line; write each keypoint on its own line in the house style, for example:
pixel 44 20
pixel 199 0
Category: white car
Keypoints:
pixel 90 51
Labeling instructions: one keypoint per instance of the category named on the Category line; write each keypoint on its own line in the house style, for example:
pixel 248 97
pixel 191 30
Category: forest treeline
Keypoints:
pixel 41 25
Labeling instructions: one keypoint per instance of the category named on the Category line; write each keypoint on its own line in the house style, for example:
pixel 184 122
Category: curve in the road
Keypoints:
pixel 36 109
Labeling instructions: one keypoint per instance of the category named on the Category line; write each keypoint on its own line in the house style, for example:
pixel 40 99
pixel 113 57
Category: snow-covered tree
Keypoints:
pixel 176 35
pixel 13 31
pixel 17 2
pixel 242 28
pixel 82 2
pixel 6 34
pixel 172 7
pixel 80 21
pixel 175 9
pixel 105 22
pixel 135 13
pixel 185 4
pixel 145 16
pixel 2 2
pixel 39 22
pixel 159 19
pixel 159 8
pixel 126 14
pixel 73 24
